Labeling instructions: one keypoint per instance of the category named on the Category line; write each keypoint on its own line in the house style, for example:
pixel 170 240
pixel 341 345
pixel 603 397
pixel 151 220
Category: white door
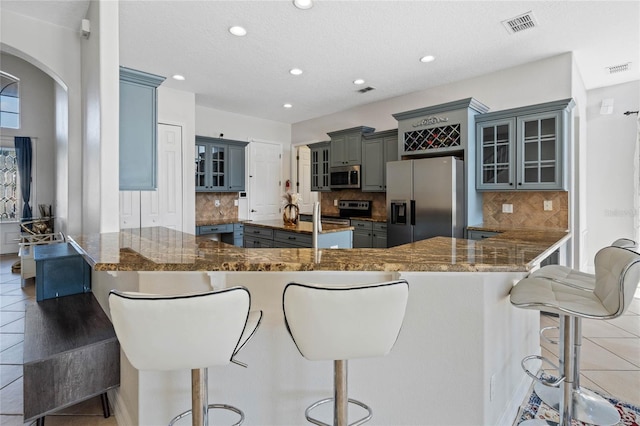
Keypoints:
pixel 129 209
pixel 265 180
pixel 162 207
pixel 303 179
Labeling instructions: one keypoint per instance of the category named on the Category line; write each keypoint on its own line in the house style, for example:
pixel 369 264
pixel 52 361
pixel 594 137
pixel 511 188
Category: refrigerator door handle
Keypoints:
pixel 413 212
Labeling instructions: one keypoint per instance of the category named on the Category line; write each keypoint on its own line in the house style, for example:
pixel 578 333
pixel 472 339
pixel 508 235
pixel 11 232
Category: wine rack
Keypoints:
pixel 433 138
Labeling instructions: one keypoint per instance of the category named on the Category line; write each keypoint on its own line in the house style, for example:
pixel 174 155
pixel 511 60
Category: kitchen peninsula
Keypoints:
pixel 460 345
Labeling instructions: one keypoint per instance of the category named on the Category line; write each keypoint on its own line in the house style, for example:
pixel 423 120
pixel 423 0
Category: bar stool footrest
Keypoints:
pixel 550 383
pixel 548 339
pixel 210 406
pixel 326 400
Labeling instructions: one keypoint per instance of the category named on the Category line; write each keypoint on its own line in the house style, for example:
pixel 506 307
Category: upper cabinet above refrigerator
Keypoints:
pixel 437 130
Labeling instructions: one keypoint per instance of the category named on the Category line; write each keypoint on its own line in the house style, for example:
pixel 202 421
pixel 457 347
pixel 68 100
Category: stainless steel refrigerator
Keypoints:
pixel 425 198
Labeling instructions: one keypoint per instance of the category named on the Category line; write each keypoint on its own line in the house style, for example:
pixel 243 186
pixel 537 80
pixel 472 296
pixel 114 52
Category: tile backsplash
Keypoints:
pixel 528 209
pixel 206 207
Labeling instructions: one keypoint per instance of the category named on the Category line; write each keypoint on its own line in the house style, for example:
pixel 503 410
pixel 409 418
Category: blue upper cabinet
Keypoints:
pixel 138 130
pixel 219 165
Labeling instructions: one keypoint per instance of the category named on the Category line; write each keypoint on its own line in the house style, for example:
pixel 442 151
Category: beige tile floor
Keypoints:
pixel 610 356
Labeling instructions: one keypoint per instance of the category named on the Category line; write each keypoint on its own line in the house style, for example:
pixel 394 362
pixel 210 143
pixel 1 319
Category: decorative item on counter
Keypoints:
pixel 291 212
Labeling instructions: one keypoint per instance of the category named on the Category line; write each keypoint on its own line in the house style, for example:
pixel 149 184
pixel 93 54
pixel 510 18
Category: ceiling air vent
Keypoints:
pixel 520 23
pixel 618 68
pixel 366 89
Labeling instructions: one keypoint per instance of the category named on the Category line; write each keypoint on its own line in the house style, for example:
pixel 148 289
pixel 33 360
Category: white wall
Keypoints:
pixel 179 108
pixel 100 100
pixel 56 51
pixel 611 139
pixel 536 82
pixel 37 120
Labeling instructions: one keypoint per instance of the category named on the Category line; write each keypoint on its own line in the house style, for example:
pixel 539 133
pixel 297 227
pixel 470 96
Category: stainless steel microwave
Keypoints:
pixel 345 177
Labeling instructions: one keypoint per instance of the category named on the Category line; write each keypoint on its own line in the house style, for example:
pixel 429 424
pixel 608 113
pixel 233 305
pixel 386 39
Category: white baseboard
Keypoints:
pixel 123 418
pixel 511 411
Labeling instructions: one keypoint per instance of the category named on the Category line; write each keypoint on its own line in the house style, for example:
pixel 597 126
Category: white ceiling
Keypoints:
pixel 336 42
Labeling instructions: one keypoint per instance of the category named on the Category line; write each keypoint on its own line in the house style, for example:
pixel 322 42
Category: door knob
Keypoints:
pixel 253 211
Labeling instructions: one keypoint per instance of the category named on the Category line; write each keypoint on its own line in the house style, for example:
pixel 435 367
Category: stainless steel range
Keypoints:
pixel 354 208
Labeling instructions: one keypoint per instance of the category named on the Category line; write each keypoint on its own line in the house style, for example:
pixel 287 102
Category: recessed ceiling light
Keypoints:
pixel 287 105
pixel 238 31
pixel 428 58
pixel 358 81
pixel 295 71
pixel 303 4
pixel 178 77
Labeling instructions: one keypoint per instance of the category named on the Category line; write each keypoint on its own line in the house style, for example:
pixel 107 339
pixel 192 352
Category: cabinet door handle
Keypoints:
pixel 520 183
pixel 511 183
pixel 292 238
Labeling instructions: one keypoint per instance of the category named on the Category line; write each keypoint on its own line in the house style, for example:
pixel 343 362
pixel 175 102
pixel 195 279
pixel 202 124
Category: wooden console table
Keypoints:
pixel 71 354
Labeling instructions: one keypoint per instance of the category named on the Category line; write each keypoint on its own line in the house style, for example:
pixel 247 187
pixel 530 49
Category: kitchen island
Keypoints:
pixel 456 361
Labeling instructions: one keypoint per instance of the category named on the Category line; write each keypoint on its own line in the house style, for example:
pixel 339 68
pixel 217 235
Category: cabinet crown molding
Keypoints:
pixel 437 109
pixel 140 77
pixel 562 104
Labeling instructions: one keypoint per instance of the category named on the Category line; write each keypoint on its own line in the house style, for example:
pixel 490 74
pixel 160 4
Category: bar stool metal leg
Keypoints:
pixel 199 397
pixel 340 403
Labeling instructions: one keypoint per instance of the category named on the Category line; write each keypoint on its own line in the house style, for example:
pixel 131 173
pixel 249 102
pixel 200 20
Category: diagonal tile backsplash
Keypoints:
pixel 528 209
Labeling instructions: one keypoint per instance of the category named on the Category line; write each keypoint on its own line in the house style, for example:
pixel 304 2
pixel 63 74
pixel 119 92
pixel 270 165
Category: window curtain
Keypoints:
pixel 24 156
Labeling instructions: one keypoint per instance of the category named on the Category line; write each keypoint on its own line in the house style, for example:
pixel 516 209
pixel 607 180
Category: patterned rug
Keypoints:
pixel 536 409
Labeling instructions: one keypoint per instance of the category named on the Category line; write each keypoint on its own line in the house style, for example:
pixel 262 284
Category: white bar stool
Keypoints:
pixel 616 279
pixel 191 331
pixel 343 323
pixel 585 410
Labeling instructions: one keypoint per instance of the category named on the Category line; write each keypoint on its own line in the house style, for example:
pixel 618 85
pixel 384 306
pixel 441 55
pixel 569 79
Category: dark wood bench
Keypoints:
pixel 71 354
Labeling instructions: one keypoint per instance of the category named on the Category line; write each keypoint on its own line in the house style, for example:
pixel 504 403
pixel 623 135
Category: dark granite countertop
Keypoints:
pixel 163 249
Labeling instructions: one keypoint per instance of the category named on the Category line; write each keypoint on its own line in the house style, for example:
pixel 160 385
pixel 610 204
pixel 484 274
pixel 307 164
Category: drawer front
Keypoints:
pixel 480 235
pixel 294 238
pixel 362 224
pixel 253 242
pixel 214 229
pixel 380 227
pixel 254 231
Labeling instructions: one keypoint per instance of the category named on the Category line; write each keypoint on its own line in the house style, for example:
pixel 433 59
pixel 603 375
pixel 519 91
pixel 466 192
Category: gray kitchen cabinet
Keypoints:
pixel 523 148
pixel 138 158
pixel 235 235
pixel 379 235
pixel 261 237
pixel 320 163
pixel 292 239
pixel 219 165
pixel 214 229
pixel 346 146
pixel 367 234
pixel 473 234
pixel 257 237
pixel 377 149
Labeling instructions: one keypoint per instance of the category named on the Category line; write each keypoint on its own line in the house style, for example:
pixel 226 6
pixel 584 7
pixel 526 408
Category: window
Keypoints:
pixel 9 185
pixel 9 101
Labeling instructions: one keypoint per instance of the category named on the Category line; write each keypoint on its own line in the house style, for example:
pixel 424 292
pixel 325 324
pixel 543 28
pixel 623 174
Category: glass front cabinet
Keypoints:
pixel 219 165
pixel 523 148
pixel 320 161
